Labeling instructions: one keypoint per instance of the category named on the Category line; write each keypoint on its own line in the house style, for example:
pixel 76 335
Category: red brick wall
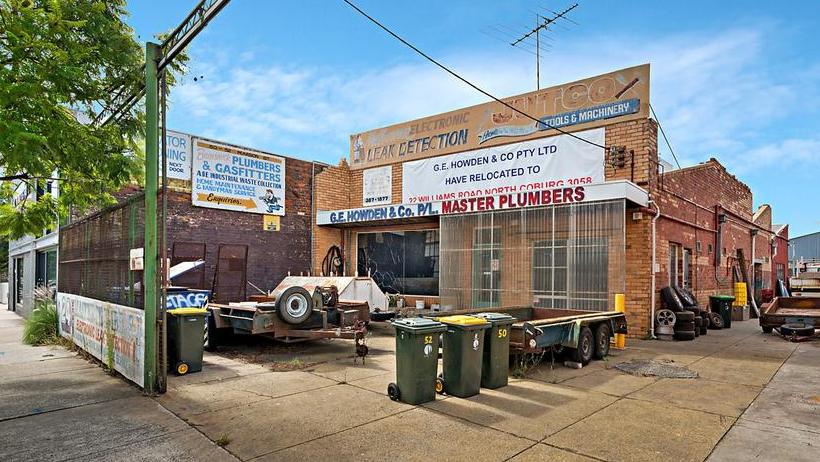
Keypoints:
pixel 271 254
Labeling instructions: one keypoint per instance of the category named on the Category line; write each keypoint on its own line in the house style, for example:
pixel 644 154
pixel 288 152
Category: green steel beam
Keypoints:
pixel 152 52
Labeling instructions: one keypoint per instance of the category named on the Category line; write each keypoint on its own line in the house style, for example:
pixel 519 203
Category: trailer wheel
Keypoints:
pixel 393 391
pixel 797 329
pixel 440 385
pixel 602 334
pixel 767 329
pixel 586 347
pixel 294 305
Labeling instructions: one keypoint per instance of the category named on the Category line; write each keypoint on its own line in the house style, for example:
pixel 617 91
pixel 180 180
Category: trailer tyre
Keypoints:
pixel 440 385
pixel 797 329
pixel 586 347
pixel 602 334
pixel 393 391
pixel 767 329
pixel 294 305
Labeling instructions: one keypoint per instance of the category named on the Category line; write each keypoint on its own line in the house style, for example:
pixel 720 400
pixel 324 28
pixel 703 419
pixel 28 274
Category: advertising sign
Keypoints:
pixel 527 166
pixel 593 102
pixel 230 178
pixel 377 185
pixel 114 334
pixel 178 155
pixel 620 189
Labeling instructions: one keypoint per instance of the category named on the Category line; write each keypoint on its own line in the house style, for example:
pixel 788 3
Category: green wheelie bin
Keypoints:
pixel 722 304
pixel 463 351
pixel 186 335
pixel 417 341
pixel 495 365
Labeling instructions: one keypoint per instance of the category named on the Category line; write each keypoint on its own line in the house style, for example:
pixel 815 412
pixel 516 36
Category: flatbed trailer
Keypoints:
pixel 539 329
pixel 791 310
pixel 346 320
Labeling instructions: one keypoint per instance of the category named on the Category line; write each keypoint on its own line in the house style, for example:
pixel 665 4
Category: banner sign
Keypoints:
pixel 177 155
pixel 230 178
pixel 114 334
pixel 593 102
pixel 527 166
pixel 377 186
pixel 620 189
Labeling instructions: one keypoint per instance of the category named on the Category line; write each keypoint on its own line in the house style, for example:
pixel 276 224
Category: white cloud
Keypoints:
pixel 711 90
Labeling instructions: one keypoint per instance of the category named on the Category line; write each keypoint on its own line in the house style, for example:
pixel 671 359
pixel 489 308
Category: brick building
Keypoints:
pixel 484 207
pixel 242 247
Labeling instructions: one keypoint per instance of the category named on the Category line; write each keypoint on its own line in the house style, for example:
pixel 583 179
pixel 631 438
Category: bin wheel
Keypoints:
pixel 393 391
pixel 586 347
pixel 602 334
pixel 767 329
pixel 717 321
pixel 440 385
pixel 182 369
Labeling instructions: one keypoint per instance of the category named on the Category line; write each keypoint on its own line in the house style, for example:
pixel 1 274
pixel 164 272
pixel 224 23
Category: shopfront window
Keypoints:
pixel 549 257
pixel 46 269
pixel 405 262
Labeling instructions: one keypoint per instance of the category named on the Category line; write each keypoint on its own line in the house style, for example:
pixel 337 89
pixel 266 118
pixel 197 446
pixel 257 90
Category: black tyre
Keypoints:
pixel 698 321
pixel 704 328
pixel 797 329
pixel 685 326
pixel 295 305
pixel 393 391
pixel 707 319
pixel 671 300
pixel 717 321
pixel 697 331
pixel 685 335
pixel 767 329
pixel 685 316
pixel 602 334
pixel 440 385
pixel 586 347
pixel 684 297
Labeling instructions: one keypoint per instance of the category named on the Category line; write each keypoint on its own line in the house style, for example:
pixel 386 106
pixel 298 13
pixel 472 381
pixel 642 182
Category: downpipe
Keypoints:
pixel 654 263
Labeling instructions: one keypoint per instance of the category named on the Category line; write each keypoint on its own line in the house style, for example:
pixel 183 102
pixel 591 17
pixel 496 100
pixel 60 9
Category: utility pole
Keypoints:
pixel 541 23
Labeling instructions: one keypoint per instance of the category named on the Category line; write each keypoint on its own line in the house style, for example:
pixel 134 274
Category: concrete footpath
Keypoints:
pixel 55 405
pixel 757 397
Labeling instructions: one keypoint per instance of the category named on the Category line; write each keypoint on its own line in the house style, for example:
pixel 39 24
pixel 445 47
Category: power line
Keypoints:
pixel 664 134
pixel 538 122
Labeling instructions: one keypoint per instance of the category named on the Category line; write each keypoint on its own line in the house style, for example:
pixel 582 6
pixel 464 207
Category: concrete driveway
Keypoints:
pixel 335 409
pixel 756 396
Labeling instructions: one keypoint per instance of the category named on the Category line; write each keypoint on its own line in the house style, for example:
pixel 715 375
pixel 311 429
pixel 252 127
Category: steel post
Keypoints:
pixel 152 52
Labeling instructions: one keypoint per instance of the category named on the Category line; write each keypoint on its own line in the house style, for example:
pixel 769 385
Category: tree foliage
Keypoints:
pixel 60 62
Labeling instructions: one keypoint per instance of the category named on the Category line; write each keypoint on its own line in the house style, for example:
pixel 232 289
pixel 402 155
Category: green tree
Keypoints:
pixel 60 64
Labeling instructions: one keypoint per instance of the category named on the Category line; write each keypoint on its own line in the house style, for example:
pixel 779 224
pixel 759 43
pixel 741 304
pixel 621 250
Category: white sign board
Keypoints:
pixel 178 155
pixel 229 178
pixel 535 165
pixel 377 185
pixel 114 334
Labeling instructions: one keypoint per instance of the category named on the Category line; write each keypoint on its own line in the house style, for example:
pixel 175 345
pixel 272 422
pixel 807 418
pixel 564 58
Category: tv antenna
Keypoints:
pixel 542 23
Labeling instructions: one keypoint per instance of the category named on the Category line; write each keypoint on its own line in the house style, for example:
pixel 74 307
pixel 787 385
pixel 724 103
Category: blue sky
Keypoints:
pixel 735 80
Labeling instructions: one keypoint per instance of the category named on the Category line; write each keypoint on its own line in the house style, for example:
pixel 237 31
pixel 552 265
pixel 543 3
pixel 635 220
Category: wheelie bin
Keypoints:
pixel 417 341
pixel 495 364
pixel 186 335
pixel 722 304
pixel 463 351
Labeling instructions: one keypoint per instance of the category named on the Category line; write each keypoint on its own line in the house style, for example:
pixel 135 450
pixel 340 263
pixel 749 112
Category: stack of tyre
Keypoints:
pixel 689 320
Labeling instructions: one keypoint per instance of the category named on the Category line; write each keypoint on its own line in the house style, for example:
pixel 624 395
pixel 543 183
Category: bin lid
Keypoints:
pixel 496 318
pixel 722 297
pixel 187 311
pixel 418 324
pixel 462 320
